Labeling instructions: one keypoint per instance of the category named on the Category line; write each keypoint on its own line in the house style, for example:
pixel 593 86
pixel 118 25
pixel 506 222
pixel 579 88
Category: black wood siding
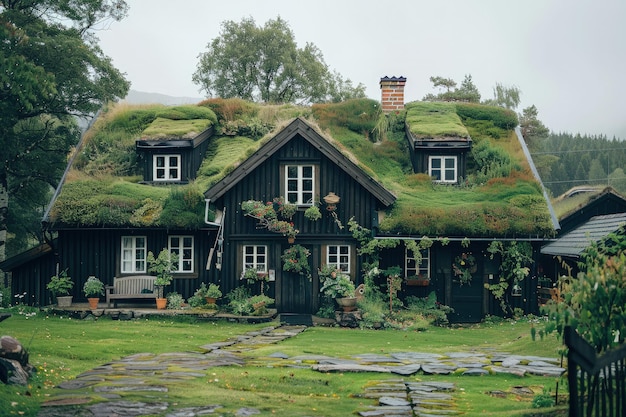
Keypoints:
pixel 97 252
pixel 263 183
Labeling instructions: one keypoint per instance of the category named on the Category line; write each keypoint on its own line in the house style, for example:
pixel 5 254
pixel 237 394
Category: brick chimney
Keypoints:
pixel 392 95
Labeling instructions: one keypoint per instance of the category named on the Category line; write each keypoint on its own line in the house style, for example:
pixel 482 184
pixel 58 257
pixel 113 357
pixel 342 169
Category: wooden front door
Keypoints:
pixel 466 299
pixel 294 292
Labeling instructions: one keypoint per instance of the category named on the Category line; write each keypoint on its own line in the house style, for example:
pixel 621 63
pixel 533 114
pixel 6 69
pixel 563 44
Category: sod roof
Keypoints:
pixel 499 198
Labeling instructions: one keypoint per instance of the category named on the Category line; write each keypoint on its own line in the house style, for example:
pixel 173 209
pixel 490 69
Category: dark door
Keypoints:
pixel 466 299
pixel 294 292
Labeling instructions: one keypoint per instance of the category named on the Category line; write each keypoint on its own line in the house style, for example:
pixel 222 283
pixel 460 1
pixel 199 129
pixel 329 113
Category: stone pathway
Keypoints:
pixel 147 375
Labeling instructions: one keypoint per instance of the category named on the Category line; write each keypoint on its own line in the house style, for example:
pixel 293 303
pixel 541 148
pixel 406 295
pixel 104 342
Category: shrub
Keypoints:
pixel 501 117
pixel 175 301
pixel 358 115
pixel 239 301
pixel 428 307
pixel 60 284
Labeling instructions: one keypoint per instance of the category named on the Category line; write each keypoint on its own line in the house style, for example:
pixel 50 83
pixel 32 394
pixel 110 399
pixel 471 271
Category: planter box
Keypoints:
pixel 417 282
pixel 64 301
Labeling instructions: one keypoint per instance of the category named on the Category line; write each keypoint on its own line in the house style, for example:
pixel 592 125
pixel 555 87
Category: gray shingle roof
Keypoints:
pixel 573 243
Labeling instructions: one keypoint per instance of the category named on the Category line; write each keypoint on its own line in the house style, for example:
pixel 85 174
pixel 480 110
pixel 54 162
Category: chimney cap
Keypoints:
pixel 394 78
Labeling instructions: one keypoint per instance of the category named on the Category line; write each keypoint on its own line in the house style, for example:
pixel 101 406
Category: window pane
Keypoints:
pixel 435 163
pixel 307 171
pixel 292 171
pixel 450 162
pixel 173 161
pixel 160 161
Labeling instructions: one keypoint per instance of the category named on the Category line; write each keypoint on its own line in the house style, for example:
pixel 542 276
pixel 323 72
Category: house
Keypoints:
pixel 587 214
pixel 442 191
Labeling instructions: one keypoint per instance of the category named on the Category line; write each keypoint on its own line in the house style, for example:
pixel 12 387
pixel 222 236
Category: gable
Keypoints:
pixel 300 128
pixel 582 203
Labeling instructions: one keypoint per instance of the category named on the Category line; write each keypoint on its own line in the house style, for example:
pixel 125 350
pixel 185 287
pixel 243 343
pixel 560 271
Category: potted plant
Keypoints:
pixel 252 276
pixel 340 287
pixel 212 293
pixel 162 266
pixel 93 289
pixel 260 304
pixel 60 285
pixel 313 213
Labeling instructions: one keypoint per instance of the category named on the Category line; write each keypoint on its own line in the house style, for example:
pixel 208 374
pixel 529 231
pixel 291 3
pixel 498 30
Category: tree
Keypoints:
pixel 51 71
pixel 507 97
pixel 533 130
pixel 264 63
pixel 467 92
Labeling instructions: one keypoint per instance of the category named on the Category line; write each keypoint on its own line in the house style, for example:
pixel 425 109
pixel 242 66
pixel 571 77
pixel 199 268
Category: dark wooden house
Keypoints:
pixel 587 215
pixel 185 192
pixel 301 165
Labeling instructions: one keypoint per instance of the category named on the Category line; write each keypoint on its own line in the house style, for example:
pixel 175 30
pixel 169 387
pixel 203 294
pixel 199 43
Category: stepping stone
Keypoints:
pixel 375 358
pixel 349 368
pixel 508 362
pixel 126 408
pixel 393 401
pixel 405 369
pixel 415 356
pixel 438 369
pixel 512 370
pixel 381 394
pixel 476 371
pixel 388 411
pixel 130 388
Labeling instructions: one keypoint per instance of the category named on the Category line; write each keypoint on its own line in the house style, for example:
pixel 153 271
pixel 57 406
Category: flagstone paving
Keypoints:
pixel 148 375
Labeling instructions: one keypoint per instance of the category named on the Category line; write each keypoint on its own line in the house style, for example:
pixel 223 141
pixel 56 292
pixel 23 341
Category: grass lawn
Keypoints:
pixel 62 348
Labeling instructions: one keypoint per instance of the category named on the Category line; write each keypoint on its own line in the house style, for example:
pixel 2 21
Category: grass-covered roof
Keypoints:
pixel 499 198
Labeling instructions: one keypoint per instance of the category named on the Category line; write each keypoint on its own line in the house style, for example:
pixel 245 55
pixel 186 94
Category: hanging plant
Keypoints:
pixel 267 215
pixel 464 266
pixel 296 259
pixel 284 208
pixel 313 213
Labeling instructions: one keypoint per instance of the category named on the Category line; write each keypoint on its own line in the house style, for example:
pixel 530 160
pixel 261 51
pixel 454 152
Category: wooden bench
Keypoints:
pixel 131 287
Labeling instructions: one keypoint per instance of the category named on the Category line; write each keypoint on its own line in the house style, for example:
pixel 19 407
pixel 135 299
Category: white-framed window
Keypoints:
pixel 443 168
pixel 255 256
pixel 133 254
pixel 182 246
pixel 339 257
pixel 418 267
pixel 300 184
pixel 166 168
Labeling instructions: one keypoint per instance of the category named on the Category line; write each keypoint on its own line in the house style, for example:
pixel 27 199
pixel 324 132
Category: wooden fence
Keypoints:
pixel 597 384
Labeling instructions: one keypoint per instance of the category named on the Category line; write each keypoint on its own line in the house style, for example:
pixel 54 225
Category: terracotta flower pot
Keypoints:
pixel 161 303
pixel 93 302
pixel 210 300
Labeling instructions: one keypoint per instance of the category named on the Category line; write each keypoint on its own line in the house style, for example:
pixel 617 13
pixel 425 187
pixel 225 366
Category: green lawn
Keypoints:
pixel 62 348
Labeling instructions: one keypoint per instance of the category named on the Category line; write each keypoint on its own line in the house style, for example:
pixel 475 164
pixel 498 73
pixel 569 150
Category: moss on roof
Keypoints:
pixel 434 120
pixel 499 198
pixel 162 127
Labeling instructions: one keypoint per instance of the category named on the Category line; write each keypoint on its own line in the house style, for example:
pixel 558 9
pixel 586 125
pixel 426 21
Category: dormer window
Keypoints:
pixel 166 168
pixel 443 168
pixel 300 184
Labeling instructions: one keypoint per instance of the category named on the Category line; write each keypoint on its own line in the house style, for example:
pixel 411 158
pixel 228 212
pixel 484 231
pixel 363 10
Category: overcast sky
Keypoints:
pixel 568 57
